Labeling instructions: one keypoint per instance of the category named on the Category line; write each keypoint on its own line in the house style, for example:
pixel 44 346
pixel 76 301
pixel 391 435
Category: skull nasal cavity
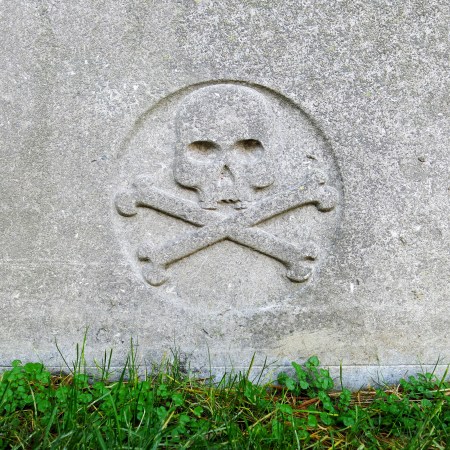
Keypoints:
pixel 226 178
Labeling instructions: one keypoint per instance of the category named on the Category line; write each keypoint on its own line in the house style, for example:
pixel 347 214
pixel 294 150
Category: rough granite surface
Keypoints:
pixel 227 178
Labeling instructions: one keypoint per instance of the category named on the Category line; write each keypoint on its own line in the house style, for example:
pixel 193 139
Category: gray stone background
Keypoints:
pixel 372 76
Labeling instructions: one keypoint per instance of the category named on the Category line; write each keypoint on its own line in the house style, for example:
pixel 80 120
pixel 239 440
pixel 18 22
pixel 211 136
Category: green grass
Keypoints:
pixel 169 409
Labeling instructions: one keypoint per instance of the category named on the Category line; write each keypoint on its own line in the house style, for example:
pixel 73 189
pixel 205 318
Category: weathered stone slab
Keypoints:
pixel 228 178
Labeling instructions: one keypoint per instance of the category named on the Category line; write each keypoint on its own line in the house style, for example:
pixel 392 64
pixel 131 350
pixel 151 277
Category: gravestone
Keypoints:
pixel 227 180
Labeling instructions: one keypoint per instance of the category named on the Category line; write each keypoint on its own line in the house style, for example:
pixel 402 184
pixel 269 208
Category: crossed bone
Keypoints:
pixel 215 227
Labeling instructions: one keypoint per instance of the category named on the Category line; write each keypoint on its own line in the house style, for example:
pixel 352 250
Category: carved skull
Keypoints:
pixel 222 144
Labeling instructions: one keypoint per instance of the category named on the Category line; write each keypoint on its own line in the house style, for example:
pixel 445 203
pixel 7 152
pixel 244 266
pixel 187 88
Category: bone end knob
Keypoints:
pixel 310 251
pixel 328 199
pixel 316 176
pixel 299 274
pixel 154 274
pixel 126 204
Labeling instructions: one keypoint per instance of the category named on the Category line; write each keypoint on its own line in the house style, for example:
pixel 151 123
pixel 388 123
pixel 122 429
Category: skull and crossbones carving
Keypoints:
pixel 224 152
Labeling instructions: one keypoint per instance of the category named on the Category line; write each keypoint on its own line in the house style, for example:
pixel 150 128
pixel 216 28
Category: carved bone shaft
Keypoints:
pixel 289 254
pixel 258 240
pixel 235 228
pixel 144 194
pixel 151 197
pixel 231 227
pixel 255 239
pixel 323 197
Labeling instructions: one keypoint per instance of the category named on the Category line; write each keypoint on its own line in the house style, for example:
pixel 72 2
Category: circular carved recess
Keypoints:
pixel 228 197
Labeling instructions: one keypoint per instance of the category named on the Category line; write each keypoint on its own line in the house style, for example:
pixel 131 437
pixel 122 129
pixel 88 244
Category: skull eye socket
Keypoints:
pixel 249 144
pixel 249 149
pixel 202 150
